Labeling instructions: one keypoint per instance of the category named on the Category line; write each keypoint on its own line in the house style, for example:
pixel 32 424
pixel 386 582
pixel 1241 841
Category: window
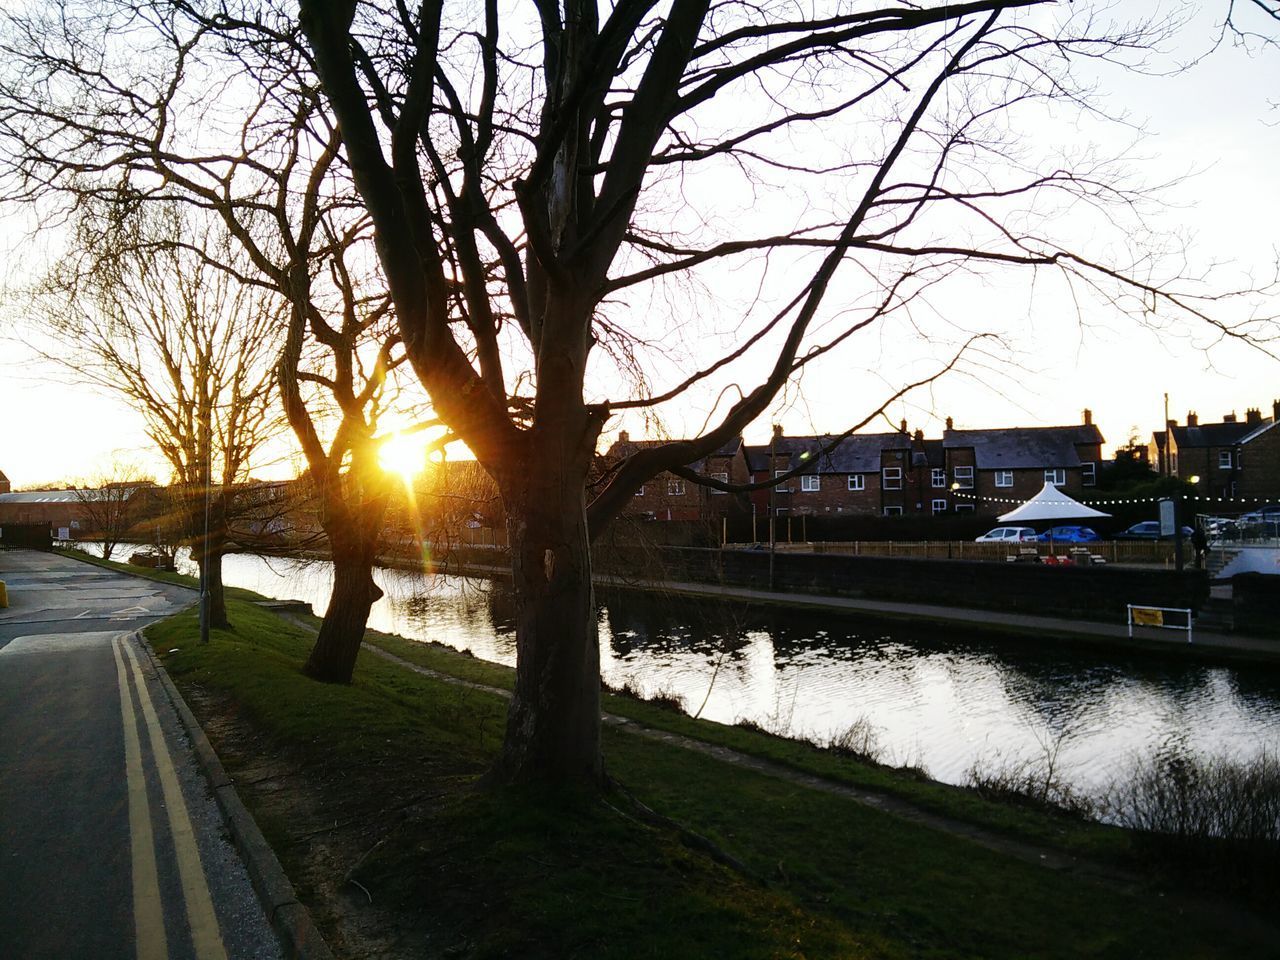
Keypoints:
pixel 640 492
pixel 1004 478
pixel 857 481
pixel 675 488
pixel 1173 463
pixel 893 511
pixel 940 477
pixel 1057 476
pixel 1224 459
pixel 75 524
pixel 964 508
pixel 939 506
pixel 810 484
pixel 892 480
pixel 964 477
pixel 780 488
pixel 723 478
pixel 1089 474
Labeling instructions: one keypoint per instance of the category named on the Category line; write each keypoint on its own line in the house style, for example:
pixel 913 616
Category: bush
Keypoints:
pixel 1219 816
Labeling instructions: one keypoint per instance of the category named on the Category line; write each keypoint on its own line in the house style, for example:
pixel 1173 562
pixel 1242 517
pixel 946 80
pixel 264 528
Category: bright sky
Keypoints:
pixel 1216 119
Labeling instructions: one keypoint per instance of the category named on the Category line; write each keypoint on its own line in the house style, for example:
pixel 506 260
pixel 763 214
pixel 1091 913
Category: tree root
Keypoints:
pixel 694 841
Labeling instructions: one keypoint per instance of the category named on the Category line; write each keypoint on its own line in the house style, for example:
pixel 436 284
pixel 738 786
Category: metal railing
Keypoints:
pixel 1154 552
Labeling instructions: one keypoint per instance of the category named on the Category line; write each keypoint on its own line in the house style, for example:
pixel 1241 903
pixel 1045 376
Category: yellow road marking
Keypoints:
pixel 204 923
pixel 148 918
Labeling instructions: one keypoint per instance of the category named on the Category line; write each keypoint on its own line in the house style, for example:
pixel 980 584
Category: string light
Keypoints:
pixel 1129 500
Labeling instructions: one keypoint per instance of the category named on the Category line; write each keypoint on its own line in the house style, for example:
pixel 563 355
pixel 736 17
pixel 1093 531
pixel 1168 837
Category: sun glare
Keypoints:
pixel 404 455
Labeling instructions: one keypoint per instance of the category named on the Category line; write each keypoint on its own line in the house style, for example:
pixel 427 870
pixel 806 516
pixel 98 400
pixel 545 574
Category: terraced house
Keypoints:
pixel 1228 458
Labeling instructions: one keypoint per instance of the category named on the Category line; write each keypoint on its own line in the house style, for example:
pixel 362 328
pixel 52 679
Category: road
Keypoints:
pixel 111 845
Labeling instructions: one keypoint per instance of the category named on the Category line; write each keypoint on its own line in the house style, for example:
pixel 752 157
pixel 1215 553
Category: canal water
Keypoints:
pixel 936 697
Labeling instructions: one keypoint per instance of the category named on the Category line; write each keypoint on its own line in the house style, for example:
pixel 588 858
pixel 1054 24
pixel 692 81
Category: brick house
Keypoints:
pixel 4 483
pixel 1257 460
pixel 1213 452
pixel 872 474
pixel 988 469
pixel 669 497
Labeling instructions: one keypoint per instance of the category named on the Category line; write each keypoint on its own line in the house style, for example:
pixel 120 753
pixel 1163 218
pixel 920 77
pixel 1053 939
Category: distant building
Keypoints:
pixel 864 474
pixel 671 497
pixel 1217 453
pixel 996 466
pixel 4 483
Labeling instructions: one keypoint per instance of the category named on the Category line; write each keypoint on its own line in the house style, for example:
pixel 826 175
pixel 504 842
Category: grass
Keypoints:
pixel 469 872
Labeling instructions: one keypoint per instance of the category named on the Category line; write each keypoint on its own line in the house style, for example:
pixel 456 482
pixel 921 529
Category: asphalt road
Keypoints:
pixel 111 845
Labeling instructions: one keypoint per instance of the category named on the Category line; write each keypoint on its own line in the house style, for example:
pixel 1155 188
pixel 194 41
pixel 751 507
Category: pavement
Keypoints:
pixel 111 842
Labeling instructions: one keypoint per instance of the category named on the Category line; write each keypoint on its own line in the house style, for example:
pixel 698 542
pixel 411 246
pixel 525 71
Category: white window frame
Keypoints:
pixel 640 492
pixel 893 511
pixel 938 477
pixel 1089 474
pixel 964 508
pixel 810 483
pixel 1004 478
pixel 857 481
pixel 778 488
pixel 675 487
pixel 723 478
pixel 939 506
pixel 963 477
pixel 1056 475
pixel 1224 459
pixel 891 479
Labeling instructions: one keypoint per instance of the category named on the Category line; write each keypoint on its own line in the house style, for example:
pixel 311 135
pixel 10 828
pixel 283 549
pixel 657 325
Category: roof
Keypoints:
pixel 49 496
pixel 625 448
pixel 857 453
pixel 3 478
pixel 1254 435
pixel 1211 434
pixel 57 496
pixel 1013 448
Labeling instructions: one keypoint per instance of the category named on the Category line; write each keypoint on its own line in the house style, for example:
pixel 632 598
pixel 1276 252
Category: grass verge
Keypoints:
pixel 370 794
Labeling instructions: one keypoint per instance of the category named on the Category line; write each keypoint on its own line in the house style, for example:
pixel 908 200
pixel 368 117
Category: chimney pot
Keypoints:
pixel 623 436
pixel 920 436
pixel 1088 417
pixel 902 426
pixel 1193 419
pixel 951 423
pixel 777 430
pixel 1253 416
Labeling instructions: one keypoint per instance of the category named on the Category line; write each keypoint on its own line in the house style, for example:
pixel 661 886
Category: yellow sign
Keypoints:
pixel 1148 617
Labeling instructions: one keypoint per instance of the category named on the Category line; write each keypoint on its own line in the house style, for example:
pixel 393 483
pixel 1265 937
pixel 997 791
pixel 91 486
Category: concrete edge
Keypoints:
pixel 299 937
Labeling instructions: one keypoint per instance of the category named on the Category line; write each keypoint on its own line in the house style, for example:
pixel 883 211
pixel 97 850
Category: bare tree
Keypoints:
pixel 556 193
pixel 139 310
pixel 106 500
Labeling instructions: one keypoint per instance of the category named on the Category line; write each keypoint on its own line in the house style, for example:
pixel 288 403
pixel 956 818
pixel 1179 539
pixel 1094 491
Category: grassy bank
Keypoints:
pixel 370 794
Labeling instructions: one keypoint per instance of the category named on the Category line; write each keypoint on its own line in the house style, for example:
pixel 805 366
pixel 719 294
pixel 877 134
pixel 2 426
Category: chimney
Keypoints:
pixel 624 437
pixel 1231 417
pixel 950 424
pixel 1275 411
pixel 1088 417
pixel 777 431
pixel 1171 423
pixel 1193 419
pixel 1253 417
pixel 902 426
pixel 919 436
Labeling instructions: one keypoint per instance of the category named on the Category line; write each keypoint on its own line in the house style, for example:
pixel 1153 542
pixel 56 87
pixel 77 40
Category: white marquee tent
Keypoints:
pixel 1050 504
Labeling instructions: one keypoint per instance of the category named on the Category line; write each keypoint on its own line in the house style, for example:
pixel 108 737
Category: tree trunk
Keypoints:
pixel 553 724
pixel 353 542
pixel 210 564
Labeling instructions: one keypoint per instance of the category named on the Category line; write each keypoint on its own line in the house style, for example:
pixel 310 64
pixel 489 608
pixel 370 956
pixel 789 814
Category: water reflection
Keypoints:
pixel 939 698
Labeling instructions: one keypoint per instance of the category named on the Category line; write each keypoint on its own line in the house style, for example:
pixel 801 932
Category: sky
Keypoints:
pixel 1215 121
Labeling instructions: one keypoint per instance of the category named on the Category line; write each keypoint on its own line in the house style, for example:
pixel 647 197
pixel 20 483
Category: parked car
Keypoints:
pixel 1148 530
pixel 1007 535
pixel 1069 534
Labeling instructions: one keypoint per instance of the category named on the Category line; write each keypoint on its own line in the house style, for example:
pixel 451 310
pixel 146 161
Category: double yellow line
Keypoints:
pixel 148 912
